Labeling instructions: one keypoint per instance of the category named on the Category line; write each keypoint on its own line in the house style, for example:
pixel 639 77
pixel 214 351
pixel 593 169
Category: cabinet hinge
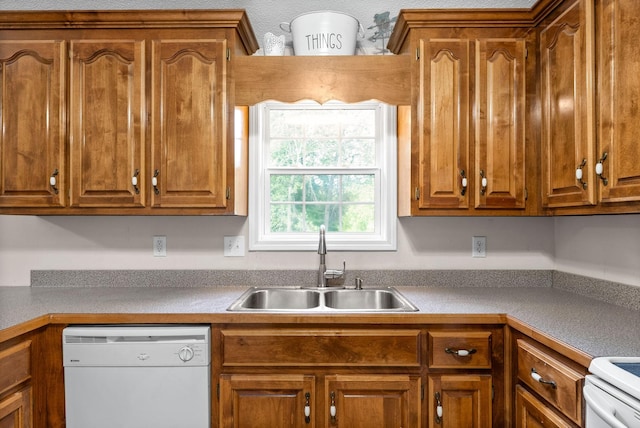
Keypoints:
pixel 228 195
pixel 417 54
pixel 526 53
pixel 526 194
pixel 228 54
pixel 417 193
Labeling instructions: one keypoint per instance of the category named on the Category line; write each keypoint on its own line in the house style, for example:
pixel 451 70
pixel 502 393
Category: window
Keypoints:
pixel 331 164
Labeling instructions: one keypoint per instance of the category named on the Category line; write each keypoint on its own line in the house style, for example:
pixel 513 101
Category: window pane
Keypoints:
pixel 359 218
pixel 327 214
pixel 358 153
pixel 358 188
pixel 286 188
pixel 324 152
pixel 322 188
pixel 287 218
pixel 286 152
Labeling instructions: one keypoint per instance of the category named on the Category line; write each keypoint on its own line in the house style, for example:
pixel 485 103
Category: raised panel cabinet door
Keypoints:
pixel 267 401
pixel 619 92
pixel 190 113
pixel 370 401
pixel 16 410
pixel 32 123
pixel 533 413
pixel 107 118
pixel 500 128
pixel 568 132
pixel 460 400
pixel 443 124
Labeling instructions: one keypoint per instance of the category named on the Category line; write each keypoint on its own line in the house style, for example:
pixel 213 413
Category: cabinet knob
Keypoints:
pixel 463 182
pixel 53 181
pixel 579 174
pixel 154 182
pixel 307 407
pixel 134 181
pixel 536 376
pixel 600 168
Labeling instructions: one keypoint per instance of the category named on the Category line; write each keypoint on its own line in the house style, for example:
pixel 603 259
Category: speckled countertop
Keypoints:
pixel 592 326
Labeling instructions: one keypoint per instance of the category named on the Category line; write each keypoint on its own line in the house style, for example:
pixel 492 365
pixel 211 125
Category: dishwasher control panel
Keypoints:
pixel 136 345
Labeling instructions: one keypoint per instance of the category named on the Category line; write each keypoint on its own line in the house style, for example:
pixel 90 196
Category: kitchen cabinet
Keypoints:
pixel 150 112
pixel 460 400
pixel 547 383
pixel 337 377
pixel 618 91
pixel 32 119
pixel 107 110
pixel 15 388
pixel 568 128
pixel 469 116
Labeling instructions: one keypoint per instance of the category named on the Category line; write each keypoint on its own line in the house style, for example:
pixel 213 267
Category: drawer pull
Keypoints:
pixel 460 352
pixel 538 378
pixel 332 408
pixel 307 407
pixel 438 409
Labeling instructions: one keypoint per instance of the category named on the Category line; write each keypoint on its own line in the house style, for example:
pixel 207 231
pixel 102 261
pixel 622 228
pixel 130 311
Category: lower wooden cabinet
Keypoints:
pixel 366 401
pixel 254 401
pixel 460 400
pixel 533 413
pixel 15 409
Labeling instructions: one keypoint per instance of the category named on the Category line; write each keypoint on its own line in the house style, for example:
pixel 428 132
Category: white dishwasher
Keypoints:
pixel 137 376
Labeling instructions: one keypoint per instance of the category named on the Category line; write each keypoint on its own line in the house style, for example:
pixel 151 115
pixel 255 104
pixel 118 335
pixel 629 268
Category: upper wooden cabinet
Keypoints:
pixel 150 112
pixel 618 92
pixel 32 123
pixel 469 115
pixel 568 133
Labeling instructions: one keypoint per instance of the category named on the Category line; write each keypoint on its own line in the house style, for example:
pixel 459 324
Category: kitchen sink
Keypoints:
pixel 279 299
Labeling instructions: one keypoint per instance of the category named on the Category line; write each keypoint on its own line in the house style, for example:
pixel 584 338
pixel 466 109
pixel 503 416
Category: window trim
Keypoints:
pixel 384 238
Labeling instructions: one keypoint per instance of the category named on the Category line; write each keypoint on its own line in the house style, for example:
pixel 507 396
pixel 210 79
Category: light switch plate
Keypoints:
pixel 234 246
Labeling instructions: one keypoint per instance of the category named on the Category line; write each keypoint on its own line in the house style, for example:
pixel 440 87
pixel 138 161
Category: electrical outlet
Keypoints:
pixel 479 246
pixel 234 246
pixel 159 246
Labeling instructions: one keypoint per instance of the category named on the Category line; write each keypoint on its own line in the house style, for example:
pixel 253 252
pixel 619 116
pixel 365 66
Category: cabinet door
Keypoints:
pixel 190 114
pixel 32 121
pixel 619 92
pixel 266 401
pixel 500 128
pixel 107 123
pixel 443 124
pixel 460 401
pixel 532 413
pixel 566 51
pixel 370 401
pixel 15 410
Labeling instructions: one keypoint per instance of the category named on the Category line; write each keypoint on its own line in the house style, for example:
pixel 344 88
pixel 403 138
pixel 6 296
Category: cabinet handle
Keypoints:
pixel 538 378
pixel 154 182
pixel 53 181
pixel 438 409
pixel 483 182
pixel 579 174
pixel 600 168
pixel 134 181
pixel 464 182
pixel 332 408
pixel 460 352
pixel 307 408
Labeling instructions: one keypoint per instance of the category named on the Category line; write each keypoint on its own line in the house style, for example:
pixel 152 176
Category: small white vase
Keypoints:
pixel 273 45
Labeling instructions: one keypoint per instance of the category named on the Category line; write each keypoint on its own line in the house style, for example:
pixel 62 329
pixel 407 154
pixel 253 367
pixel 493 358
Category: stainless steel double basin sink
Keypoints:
pixel 280 299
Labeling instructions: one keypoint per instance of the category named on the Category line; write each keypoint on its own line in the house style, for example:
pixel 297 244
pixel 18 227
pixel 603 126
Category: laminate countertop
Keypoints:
pixel 591 326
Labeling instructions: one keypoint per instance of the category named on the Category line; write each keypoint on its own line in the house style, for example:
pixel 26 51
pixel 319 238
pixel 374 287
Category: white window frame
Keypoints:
pixel 384 236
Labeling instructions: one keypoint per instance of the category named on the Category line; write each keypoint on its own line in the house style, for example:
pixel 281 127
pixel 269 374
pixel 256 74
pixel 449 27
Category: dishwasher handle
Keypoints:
pixel 608 414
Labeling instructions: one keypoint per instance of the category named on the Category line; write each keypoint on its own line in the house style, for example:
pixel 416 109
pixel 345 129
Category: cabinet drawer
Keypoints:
pixel 558 383
pixel 15 365
pixel 312 347
pixel 461 349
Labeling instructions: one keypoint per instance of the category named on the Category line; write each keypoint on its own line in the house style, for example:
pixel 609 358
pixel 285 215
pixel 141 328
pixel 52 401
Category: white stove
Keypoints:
pixel 612 393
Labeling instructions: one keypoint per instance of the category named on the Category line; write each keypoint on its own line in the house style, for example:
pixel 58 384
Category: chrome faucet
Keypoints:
pixel 323 272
